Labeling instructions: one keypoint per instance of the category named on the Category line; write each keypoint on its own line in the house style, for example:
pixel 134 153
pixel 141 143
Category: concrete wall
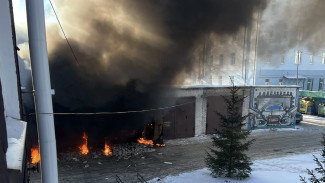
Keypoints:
pixel 273 95
pixel 8 72
pixel 10 93
pixel 272 107
pixel 3 142
pixel 202 94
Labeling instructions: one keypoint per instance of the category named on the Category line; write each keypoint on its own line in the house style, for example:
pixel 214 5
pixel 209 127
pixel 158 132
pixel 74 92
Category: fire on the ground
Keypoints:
pixel 152 133
pixel 107 150
pixel 84 147
pixel 35 155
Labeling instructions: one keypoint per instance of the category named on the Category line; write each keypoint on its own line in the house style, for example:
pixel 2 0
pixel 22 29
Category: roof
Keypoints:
pixel 312 94
pixel 294 76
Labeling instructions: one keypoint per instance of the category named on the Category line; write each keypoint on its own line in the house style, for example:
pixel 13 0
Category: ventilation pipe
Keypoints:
pixel 42 88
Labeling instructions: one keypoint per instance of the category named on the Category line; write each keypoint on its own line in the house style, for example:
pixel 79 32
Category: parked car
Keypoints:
pixel 299 117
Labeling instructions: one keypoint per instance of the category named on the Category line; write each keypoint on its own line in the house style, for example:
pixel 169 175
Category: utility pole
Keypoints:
pixel 42 88
pixel 298 58
pixel 297 75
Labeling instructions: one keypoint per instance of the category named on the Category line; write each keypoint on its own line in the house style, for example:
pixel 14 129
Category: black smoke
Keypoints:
pixel 129 53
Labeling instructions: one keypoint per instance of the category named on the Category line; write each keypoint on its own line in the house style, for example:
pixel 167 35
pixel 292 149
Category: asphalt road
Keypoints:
pixel 183 155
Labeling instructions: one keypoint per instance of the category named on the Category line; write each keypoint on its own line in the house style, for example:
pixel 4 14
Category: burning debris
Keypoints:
pixel 35 155
pixel 152 134
pixel 107 150
pixel 84 148
pixel 146 142
pixel 97 157
pixel 35 158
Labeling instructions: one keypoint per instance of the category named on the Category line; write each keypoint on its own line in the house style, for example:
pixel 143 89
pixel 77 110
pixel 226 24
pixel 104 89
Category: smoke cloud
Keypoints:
pixel 129 53
pixel 131 49
pixel 292 24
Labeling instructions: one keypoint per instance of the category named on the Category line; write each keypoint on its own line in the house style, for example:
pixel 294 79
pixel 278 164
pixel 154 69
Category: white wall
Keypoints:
pixel 8 74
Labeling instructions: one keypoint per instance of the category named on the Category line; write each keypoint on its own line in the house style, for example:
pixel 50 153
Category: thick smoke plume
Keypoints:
pixel 291 24
pixel 129 49
pixel 129 52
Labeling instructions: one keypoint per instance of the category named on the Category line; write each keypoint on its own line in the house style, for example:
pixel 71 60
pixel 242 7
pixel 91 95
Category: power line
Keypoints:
pixel 118 112
pixel 74 55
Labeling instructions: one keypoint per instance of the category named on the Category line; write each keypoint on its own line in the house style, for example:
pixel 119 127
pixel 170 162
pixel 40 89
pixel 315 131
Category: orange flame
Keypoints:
pixel 146 142
pixel 35 155
pixel 84 149
pixel 160 145
pixel 107 151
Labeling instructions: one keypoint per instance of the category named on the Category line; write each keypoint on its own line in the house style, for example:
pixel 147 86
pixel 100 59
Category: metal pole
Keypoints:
pixel 298 61
pixel 42 87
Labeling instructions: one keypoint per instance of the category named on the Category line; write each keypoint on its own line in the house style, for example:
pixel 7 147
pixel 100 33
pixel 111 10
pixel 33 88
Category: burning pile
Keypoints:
pixel 152 134
pixel 84 148
pixel 149 143
pixel 146 142
pixel 35 155
pixel 107 150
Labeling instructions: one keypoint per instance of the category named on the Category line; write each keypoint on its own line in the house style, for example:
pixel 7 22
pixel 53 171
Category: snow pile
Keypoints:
pixel 285 169
pixel 16 132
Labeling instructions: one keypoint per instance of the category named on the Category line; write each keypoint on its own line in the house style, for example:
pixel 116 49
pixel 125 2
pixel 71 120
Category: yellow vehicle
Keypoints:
pixel 305 104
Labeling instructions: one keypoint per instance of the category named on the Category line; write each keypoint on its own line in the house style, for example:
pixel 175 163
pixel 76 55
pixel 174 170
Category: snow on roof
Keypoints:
pixel 294 76
pixel 16 134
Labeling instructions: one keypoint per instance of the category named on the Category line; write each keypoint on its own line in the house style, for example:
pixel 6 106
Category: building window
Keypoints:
pixel 220 80
pixel 323 58
pixel 267 81
pixel 211 61
pixel 310 84
pixel 298 57
pixel 321 84
pixel 299 36
pixel 282 59
pixel 232 80
pixel 233 59
pixel 310 59
pixel 280 81
pixel 221 59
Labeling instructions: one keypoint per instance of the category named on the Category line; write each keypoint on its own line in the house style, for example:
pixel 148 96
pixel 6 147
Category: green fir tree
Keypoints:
pixel 227 158
pixel 318 174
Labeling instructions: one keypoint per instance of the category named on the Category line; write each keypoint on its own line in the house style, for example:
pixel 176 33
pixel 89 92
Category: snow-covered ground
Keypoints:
pixel 285 169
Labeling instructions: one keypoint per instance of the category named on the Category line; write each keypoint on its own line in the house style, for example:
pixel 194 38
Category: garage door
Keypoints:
pixel 179 121
pixel 215 103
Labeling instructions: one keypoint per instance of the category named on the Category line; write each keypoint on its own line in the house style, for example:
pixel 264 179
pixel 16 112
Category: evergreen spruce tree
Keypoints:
pixel 318 174
pixel 228 159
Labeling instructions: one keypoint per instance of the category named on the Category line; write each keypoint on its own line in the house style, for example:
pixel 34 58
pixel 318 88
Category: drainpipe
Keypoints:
pixel 42 88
